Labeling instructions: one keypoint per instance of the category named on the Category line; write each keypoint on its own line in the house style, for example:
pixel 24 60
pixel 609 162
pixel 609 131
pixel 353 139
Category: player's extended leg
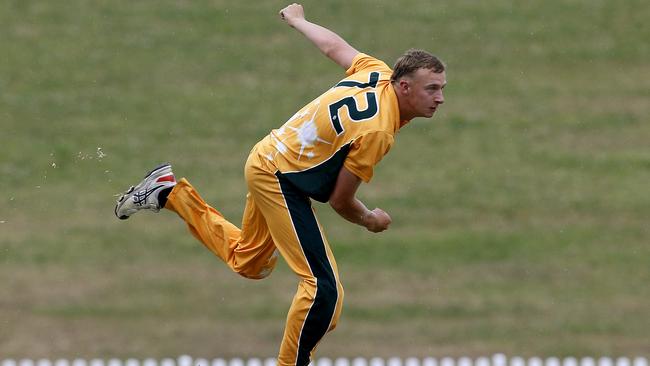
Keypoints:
pixel 295 230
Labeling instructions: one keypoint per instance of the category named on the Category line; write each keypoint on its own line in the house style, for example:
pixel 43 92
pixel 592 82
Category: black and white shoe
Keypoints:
pixel 144 196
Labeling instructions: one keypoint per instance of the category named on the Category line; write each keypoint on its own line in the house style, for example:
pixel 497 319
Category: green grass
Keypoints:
pixel 520 211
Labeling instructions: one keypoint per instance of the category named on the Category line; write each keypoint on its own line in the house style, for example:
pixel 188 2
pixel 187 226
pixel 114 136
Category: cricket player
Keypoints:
pixel 323 152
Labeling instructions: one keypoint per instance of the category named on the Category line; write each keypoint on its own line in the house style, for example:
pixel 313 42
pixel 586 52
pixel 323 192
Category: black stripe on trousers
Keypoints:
pixel 309 236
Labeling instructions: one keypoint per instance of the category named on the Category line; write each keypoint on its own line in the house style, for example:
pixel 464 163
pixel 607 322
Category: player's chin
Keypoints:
pixel 429 112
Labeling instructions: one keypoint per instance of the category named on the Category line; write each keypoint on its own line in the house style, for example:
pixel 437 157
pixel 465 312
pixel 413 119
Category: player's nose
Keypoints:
pixel 439 98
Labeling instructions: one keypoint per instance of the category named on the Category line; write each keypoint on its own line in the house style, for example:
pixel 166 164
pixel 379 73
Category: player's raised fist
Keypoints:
pixel 292 13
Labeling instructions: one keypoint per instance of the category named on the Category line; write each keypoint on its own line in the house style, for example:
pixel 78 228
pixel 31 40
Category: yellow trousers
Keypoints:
pixel 277 217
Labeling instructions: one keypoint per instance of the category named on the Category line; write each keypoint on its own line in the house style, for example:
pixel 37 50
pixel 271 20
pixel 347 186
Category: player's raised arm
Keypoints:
pixel 330 43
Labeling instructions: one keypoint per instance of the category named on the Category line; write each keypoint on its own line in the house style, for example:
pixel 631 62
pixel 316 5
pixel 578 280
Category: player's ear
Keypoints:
pixel 404 86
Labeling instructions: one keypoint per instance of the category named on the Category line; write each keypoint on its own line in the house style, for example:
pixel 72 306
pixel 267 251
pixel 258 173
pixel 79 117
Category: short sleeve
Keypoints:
pixel 364 62
pixel 366 151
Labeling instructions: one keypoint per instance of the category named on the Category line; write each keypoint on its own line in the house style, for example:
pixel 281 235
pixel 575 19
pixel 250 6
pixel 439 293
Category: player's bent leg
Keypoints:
pixel 251 255
pixel 256 254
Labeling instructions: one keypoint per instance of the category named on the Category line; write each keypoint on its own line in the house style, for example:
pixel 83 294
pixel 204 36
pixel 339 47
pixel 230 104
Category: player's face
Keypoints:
pixel 425 92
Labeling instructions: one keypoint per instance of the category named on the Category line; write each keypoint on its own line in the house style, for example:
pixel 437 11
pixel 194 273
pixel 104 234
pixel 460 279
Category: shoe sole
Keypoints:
pixel 127 194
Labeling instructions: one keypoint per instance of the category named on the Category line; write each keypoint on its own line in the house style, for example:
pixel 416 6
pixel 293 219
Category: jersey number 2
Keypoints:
pixel 353 111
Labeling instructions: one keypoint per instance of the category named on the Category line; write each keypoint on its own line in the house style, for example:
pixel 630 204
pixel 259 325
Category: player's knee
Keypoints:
pixel 253 273
pixel 255 270
pixel 331 295
pixel 338 307
pixel 328 292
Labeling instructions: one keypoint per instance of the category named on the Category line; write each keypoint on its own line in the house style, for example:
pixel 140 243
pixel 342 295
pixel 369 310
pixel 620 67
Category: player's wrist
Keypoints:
pixel 366 217
pixel 296 22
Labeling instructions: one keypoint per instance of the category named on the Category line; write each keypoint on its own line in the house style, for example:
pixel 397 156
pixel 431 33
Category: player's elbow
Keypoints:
pixel 335 204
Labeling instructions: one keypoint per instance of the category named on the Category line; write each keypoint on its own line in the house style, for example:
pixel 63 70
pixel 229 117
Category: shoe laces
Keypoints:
pixel 140 198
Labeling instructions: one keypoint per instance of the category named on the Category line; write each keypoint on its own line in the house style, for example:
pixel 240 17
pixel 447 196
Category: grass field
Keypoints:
pixel 521 211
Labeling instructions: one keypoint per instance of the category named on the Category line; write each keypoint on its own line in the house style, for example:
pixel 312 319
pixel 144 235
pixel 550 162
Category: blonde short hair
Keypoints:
pixel 413 60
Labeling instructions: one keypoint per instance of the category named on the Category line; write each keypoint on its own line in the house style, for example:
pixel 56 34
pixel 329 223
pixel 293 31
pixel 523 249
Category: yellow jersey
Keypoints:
pixel 353 124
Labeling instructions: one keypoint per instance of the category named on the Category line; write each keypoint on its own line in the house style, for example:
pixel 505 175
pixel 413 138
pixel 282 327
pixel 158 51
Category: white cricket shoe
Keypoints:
pixel 144 196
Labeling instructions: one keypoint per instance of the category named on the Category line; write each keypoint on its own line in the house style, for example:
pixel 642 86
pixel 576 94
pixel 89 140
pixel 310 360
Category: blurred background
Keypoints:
pixel 521 210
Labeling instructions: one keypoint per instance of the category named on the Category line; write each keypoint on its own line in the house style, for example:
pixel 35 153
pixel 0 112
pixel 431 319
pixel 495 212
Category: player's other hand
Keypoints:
pixel 292 13
pixel 377 221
